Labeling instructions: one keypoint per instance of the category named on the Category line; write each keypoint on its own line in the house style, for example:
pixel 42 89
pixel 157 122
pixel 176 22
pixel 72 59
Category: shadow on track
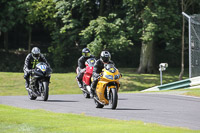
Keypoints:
pixel 122 98
pixel 130 109
pixel 126 109
pixel 59 101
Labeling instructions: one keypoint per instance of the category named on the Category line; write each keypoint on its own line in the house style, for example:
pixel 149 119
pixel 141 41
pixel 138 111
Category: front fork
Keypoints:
pixel 108 88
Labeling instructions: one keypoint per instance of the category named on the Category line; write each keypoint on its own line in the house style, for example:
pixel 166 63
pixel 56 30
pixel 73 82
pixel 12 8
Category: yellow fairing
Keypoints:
pixel 103 83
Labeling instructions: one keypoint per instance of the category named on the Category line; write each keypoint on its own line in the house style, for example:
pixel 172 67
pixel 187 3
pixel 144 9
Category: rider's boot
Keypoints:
pixel 92 90
pixel 91 93
pixel 79 83
pixel 26 84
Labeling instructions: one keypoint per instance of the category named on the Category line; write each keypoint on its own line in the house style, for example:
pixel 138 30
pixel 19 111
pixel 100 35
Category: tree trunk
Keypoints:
pixel 182 51
pixel 6 41
pixel 29 40
pixel 184 5
pixel 147 58
pixel 101 8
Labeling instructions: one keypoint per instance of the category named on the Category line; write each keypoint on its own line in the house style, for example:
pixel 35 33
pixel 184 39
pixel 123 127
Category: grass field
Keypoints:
pixel 17 120
pixel 65 83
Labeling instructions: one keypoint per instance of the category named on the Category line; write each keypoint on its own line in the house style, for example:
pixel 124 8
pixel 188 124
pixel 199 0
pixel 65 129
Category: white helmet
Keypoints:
pixel 105 56
pixel 35 53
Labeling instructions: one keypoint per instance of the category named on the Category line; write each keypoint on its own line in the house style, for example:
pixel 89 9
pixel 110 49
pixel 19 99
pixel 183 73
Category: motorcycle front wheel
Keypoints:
pixel 113 98
pixel 45 93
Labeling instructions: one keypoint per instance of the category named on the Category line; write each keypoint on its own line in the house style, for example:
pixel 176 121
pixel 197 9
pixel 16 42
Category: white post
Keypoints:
pixel 162 67
pixel 190 63
pixel 160 77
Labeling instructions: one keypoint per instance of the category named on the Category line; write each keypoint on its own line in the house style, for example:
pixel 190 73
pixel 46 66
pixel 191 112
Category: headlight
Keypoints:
pixel 117 76
pixel 109 77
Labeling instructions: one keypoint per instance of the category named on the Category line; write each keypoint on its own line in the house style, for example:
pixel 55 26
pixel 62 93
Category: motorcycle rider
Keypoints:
pixel 105 58
pixel 32 59
pixel 81 65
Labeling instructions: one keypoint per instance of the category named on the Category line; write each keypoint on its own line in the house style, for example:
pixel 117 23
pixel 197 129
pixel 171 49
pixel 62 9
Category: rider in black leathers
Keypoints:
pixel 32 59
pixel 99 65
pixel 81 65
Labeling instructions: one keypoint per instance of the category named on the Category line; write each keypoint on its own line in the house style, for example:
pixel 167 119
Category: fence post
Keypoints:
pixel 189 22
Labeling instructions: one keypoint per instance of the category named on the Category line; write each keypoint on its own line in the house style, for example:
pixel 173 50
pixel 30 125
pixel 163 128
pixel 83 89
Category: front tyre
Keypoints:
pixel 113 98
pixel 45 93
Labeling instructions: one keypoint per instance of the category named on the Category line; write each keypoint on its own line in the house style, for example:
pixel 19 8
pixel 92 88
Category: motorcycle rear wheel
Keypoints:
pixel 113 98
pixel 45 93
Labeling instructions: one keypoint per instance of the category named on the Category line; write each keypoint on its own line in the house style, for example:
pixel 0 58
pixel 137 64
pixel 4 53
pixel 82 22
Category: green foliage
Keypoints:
pixel 11 62
pixel 69 18
pixel 154 20
pixel 42 11
pixel 105 33
pixel 113 25
pixel 160 20
pixel 11 13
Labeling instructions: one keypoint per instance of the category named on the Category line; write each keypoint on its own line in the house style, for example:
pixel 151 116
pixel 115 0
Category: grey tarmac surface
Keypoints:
pixel 164 109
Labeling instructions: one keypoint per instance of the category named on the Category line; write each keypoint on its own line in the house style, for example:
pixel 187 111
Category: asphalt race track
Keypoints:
pixel 164 109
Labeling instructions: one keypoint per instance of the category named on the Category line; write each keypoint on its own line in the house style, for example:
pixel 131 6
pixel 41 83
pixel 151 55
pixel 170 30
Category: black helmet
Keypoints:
pixel 36 53
pixel 105 56
pixel 86 52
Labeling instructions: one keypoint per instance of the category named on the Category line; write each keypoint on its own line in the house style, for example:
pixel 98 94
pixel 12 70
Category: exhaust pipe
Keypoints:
pixel 29 90
pixel 99 101
pixel 84 90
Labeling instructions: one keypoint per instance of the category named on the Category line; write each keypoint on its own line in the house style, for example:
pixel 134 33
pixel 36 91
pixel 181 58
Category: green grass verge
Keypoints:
pixel 132 81
pixel 193 92
pixel 190 92
pixel 13 83
pixel 17 120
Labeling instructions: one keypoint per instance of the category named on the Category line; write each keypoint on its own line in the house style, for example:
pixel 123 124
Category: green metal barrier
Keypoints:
pixel 187 83
pixel 176 85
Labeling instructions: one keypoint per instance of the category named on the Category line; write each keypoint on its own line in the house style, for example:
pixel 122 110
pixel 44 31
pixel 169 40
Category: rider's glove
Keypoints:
pixel 30 71
pixel 97 75
pixel 83 70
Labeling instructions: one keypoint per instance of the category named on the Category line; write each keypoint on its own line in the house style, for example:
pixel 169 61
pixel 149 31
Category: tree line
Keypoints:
pixel 144 27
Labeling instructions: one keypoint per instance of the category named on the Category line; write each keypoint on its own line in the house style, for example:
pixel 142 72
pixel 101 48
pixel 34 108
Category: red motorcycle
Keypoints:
pixel 86 81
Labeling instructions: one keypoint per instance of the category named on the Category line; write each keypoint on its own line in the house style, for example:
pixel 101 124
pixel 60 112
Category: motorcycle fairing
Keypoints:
pixel 108 83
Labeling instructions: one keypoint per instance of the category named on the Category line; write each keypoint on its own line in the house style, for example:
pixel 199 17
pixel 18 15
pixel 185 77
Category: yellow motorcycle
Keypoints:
pixel 107 87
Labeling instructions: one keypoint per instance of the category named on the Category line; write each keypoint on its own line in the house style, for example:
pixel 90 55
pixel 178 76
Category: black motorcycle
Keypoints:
pixel 39 82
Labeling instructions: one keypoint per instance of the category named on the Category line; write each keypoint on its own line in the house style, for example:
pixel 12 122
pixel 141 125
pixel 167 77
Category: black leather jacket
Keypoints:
pixel 30 62
pixel 98 66
pixel 81 61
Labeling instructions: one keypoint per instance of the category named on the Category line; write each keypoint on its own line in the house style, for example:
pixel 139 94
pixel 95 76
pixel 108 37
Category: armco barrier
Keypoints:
pixel 175 85
pixel 187 83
